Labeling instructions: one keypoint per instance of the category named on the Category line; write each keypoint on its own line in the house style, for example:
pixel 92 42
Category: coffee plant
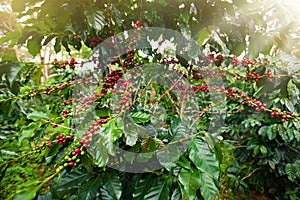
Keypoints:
pixel 153 113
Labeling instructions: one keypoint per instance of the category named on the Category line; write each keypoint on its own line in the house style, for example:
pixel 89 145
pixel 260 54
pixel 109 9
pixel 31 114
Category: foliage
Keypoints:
pixel 195 130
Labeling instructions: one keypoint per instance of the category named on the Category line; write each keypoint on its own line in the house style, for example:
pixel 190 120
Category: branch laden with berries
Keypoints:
pixel 122 107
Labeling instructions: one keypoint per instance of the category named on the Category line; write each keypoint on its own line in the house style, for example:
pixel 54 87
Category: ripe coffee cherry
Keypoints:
pixel 77 150
pixel 71 163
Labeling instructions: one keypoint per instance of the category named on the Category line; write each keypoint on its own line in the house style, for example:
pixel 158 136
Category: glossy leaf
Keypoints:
pixel 204 159
pixel 99 153
pixel 208 188
pixel 28 131
pixel 131 131
pixel 111 134
pixel 142 187
pixel 28 194
pixel 140 117
pixel 191 182
pixel 112 187
pixel 148 145
pixel 90 189
pixel 34 44
pixel 159 190
pixel 71 181
pixel 35 116
pixel 95 18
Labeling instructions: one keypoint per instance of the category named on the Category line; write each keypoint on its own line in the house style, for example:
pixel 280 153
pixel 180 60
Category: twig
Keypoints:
pixel 251 173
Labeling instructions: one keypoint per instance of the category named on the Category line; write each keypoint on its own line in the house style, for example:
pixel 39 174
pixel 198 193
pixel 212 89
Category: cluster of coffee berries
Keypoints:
pixel 92 130
pixel 248 63
pixel 268 75
pixel 284 116
pixel 71 160
pixel 65 64
pixel 137 24
pixel 53 88
pixel 67 102
pixel 235 61
pixel 255 103
pixel 111 79
pixel 216 59
pixel 252 76
pixel 92 42
pixel 201 88
pixel 64 113
pixel 60 139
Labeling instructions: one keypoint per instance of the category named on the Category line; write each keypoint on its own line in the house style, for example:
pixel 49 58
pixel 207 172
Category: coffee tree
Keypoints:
pixel 164 108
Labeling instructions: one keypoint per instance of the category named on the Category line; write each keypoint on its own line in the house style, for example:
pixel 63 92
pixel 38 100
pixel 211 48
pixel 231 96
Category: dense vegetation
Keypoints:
pixel 156 100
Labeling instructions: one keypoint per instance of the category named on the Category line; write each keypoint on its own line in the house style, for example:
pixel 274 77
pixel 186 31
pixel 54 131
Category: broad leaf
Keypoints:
pixel 176 194
pixel 191 182
pixel 18 6
pixel 90 189
pixel 28 131
pixel 141 188
pixel 95 18
pixel 140 117
pixel 202 36
pixel 34 44
pixel 148 145
pixel 111 133
pixel 35 116
pixel 208 188
pixel 159 190
pixel 131 133
pixel 204 159
pixel 28 194
pixel 99 153
pixel 72 181
pixel 112 186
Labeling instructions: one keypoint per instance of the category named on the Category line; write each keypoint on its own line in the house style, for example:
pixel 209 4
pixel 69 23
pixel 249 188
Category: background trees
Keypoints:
pixel 251 46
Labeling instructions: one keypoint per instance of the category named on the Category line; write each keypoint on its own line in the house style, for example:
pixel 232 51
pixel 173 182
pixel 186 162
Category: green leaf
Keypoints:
pixel 191 181
pixel 141 188
pixel 204 159
pixel 267 131
pixel 72 181
pixel 131 131
pixel 102 112
pixel 238 49
pixel 65 43
pixel 10 36
pixel 148 144
pixel 28 194
pixel 48 39
pixel 35 116
pixel 169 155
pixel 176 194
pixel 202 36
pixel 99 153
pixel 263 150
pixel 12 71
pixel 28 131
pixel 90 189
pixel 208 188
pixel 291 171
pixel 111 134
pixel 112 186
pixel 140 117
pixel 159 190
pixel 259 43
pixel 57 45
pixel 95 18
pixel 34 44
